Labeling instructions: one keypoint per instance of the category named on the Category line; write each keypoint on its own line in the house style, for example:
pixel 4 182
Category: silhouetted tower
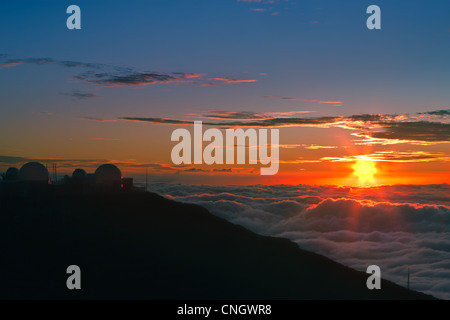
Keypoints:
pixel 52 177
pixel 54 173
pixel 408 279
pixel 146 178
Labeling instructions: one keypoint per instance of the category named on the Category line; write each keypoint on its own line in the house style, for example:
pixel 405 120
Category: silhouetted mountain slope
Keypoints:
pixel 140 245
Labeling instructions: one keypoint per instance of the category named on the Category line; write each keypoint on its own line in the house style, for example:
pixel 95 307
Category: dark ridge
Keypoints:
pixel 143 246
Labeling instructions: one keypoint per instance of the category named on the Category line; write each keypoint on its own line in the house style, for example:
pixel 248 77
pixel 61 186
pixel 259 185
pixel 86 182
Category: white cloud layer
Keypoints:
pixel 395 227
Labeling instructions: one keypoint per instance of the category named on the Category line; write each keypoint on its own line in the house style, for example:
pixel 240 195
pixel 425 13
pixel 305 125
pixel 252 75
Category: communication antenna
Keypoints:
pixel 408 279
pixel 146 179
pixel 46 167
pixel 53 173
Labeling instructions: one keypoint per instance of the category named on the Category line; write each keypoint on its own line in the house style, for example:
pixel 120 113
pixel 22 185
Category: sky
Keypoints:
pixel 341 95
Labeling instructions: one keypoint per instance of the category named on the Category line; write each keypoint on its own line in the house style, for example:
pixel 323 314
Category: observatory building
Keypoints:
pixel 35 176
pixel 34 172
pixel 12 174
pixel 108 175
pixel 106 178
pixel 79 174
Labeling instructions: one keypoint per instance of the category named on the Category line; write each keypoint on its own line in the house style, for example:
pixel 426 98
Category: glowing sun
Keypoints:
pixel 365 170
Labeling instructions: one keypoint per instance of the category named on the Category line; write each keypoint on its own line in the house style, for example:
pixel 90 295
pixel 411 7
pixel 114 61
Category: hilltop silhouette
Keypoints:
pixel 138 245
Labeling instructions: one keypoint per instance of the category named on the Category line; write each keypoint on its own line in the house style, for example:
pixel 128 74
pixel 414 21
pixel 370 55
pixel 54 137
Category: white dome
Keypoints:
pixel 34 171
pixel 108 173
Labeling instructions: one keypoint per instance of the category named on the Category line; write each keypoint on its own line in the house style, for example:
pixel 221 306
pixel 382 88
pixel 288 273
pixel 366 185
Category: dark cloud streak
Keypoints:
pixel 373 126
pixel 437 112
pixel 114 76
pixel 80 95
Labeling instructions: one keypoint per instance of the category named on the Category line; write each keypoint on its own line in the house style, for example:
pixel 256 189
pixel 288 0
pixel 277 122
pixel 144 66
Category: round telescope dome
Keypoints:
pixel 12 174
pixel 78 174
pixel 34 171
pixel 108 173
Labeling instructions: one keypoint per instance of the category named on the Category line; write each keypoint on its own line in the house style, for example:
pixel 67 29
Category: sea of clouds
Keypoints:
pixel 394 227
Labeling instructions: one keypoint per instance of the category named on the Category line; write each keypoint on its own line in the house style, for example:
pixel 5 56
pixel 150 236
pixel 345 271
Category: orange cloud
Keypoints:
pixel 337 103
pixel 393 156
pixel 10 64
pixel 229 80
pixel 105 139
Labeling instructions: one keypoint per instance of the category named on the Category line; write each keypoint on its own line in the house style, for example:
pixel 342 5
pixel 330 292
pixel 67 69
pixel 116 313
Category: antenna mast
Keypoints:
pixel 146 179
pixel 408 279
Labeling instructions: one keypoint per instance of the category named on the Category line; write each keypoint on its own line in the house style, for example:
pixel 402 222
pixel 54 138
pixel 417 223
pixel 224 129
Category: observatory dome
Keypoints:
pixel 78 174
pixel 108 173
pixel 34 171
pixel 11 174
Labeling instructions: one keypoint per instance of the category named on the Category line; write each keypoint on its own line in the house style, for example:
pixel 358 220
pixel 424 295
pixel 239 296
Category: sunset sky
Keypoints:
pixel 354 106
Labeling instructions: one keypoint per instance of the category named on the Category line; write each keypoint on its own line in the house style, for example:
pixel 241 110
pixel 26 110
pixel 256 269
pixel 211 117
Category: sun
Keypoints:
pixel 365 170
